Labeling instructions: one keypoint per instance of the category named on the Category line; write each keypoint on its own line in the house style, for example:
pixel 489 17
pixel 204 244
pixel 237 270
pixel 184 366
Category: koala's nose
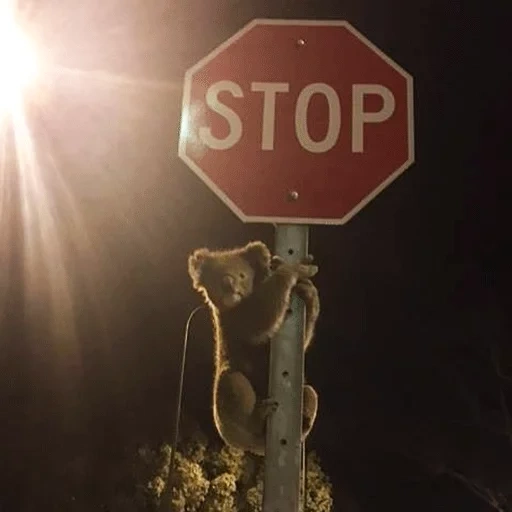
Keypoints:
pixel 228 283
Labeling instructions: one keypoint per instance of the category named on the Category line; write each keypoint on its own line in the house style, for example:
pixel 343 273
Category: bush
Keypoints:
pixel 216 479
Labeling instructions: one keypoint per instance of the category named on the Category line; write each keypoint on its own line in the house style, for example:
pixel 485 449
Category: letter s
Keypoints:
pixel 234 121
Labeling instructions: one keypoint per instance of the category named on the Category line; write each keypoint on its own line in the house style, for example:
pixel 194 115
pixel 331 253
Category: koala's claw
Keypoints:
pixel 299 270
pixel 308 259
pixel 307 270
pixel 268 406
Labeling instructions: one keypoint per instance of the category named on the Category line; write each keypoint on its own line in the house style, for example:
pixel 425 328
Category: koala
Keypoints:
pixel 248 294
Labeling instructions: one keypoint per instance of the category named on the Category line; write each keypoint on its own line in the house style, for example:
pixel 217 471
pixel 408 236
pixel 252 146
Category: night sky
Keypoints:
pixel 94 293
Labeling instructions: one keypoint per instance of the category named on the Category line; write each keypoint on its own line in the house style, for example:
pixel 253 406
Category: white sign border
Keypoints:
pixel 294 220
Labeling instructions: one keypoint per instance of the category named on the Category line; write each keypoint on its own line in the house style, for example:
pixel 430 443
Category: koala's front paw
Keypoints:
pixel 301 270
pixel 307 291
pixel 277 261
pixel 304 271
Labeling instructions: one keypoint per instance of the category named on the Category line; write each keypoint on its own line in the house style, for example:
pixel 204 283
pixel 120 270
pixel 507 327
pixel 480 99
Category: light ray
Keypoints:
pixel 101 77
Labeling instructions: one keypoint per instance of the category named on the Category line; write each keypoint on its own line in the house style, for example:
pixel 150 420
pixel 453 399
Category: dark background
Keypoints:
pixel 94 296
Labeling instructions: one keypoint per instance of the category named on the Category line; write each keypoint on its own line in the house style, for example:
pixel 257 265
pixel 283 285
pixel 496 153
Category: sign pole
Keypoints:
pixel 283 444
pixel 333 160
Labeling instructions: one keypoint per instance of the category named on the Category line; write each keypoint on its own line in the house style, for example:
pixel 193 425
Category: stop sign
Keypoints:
pixel 297 121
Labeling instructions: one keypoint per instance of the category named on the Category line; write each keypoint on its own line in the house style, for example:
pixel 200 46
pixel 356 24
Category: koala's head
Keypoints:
pixel 225 278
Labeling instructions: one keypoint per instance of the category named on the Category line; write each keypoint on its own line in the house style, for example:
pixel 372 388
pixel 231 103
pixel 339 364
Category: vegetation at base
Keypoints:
pixel 208 478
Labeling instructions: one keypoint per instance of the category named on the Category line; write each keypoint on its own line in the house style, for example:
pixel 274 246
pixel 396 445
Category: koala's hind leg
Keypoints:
pixel 309 410
pixel 240 418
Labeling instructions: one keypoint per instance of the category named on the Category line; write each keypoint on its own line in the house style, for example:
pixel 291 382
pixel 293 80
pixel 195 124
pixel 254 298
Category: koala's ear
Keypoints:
pixel 258 255
pixel 196 265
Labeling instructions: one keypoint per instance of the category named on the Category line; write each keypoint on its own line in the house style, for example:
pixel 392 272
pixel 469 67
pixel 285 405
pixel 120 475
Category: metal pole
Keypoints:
pixel 283 444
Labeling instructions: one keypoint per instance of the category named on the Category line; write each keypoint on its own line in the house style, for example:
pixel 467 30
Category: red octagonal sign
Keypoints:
pixel 297 121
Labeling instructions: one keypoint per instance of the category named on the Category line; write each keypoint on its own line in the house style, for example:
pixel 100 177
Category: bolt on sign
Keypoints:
pixel 297 121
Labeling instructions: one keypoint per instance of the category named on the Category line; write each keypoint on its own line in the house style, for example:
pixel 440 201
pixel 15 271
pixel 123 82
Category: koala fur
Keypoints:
pixel 248 295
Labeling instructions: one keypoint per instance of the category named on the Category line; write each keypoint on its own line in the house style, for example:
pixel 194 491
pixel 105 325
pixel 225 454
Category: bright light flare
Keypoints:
pixel 84 116
pixel 19 64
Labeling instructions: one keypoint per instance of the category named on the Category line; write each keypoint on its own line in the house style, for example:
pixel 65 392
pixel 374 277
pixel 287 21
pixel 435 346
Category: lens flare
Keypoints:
pixel 78 162
pixel 19 64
